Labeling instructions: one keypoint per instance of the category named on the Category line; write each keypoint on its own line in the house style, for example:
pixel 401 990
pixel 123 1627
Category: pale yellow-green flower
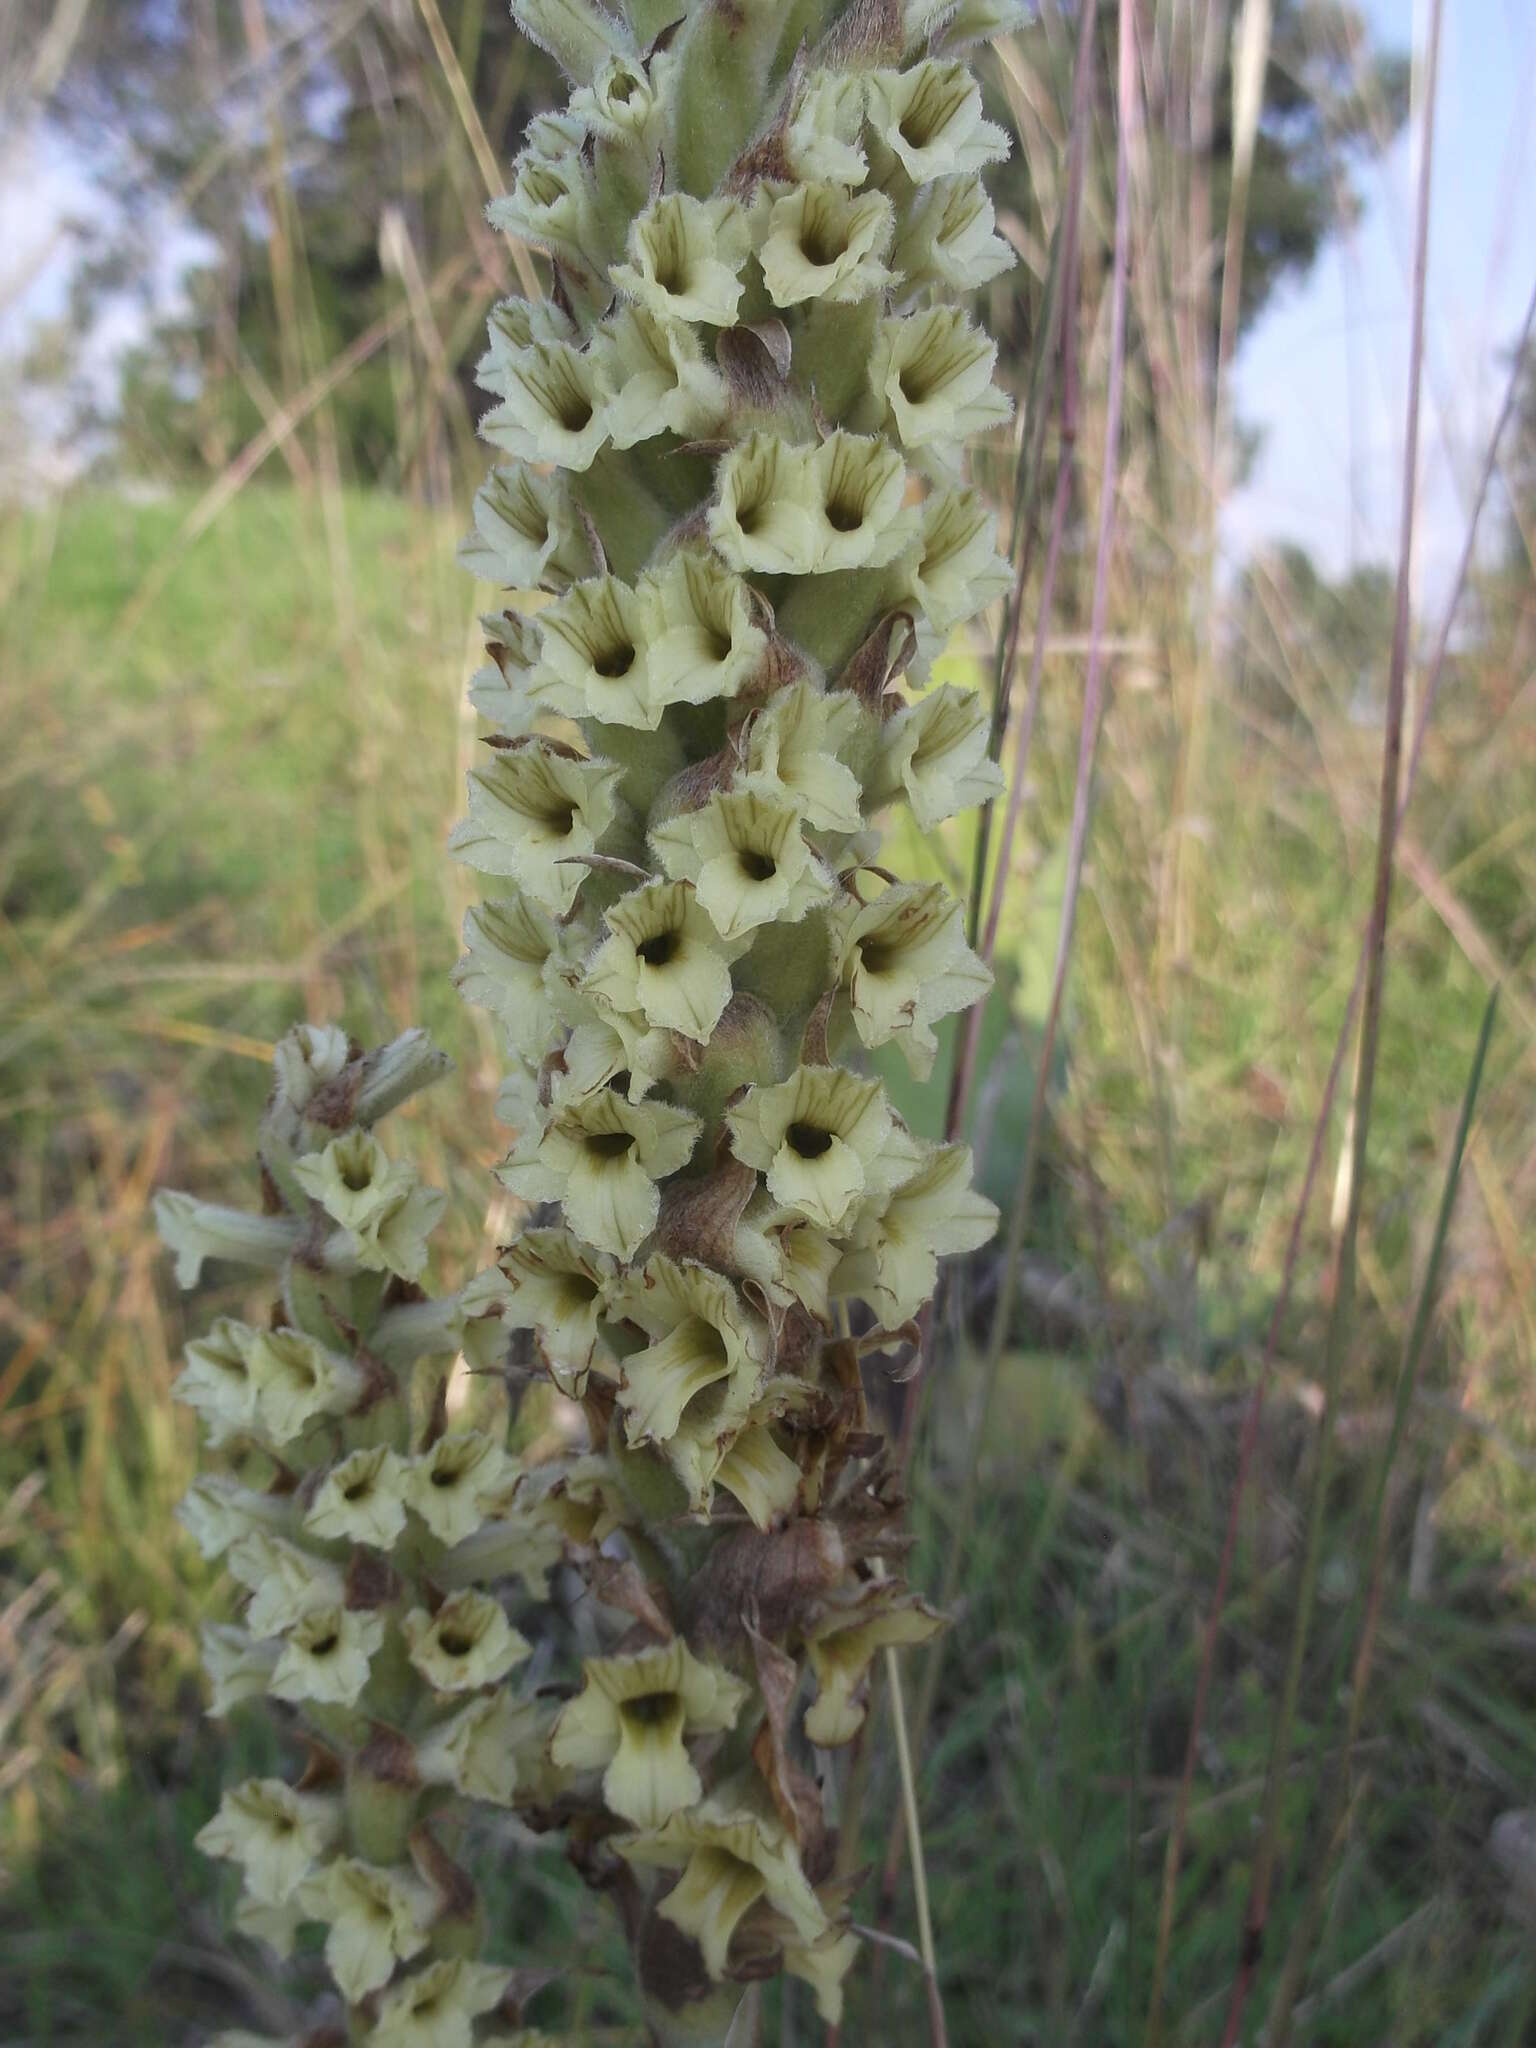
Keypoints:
pixel 361 1499
pixel 904 963
pixel 299 1380
pixel 843 1647
pixel 704 629
pixel 823 1965
pixel 468 1642
pixel 551 203
pixel 752 1466
pixel 476 1751
pixel 934 371
pixel 376 1918
pixel 825 135
pixel 305 1059
pixel 451 1484
pixel 929 117
pixel 526 536
pixel 217 1511
pixel 948 239
pixel 730 1858
pixel 953 569
pixel 275 1835
pixel 438 2006
pixel 823 242
pixel 594 659
pixel 819 1138
pixel 194 1231
pixel 602 1157
pixel 933 1212
pixel 620 104
pixel 326 1655
pixel 284 1581
pixel 278 1927
pixel 614 1050
pixel 216 1380
pixel 535 809
pixel 702 1336
pixel 935 752
pixel 685 258
pixel 236 1665
pixel 795 742
pixel 514 962
pixel 630 1719
pixel 375 1198
pixel 662 961
pixel 660 379
pixel 767 518
pixel 559 1290
pixel 865 521
pixel 554 408
pixel 747 858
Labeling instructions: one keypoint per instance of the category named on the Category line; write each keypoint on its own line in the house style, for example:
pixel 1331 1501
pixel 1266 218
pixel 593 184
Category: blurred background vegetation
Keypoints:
pixel 232 657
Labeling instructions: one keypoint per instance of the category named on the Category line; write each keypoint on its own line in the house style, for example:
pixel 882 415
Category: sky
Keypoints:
pixel 1324 373
pixel 1322 376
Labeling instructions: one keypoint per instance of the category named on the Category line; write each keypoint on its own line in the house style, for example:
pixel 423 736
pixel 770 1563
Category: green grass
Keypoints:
pixel 232 814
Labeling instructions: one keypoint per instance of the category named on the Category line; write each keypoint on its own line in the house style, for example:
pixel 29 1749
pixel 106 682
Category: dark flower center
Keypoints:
pixel 659 951
pixel 610 1144
pixel 809 1140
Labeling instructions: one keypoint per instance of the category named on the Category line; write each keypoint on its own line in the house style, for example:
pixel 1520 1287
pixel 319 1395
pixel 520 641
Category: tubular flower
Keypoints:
pixel 903 963
pixel 685 259
pixel 934 371
pixel 629 1721
pixel 843 1647
pixel 748 861
pixel 361 1499
pixel 376 1919
pixel 820 1138
pixel 514 961
pixel 727 519
pixel 326 1656
pixel 825 243
pixel 794 743
pixel 560 1291
pixel 935 1211
pixel 274 1833
pixel 438 2006
pixel 662 961
pixel 603 1157
pixel 468 1642
pixel 452 1485
pixel 533 814
pixel 730 1859
pixel 702 1338
pixel 935 751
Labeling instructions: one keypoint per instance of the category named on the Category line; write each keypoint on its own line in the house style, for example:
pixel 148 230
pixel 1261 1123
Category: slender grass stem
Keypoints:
pixel 1093 691
pixel 1257 1912
pixel 1067 272
pixel 1329 1831
pixel 1253 1416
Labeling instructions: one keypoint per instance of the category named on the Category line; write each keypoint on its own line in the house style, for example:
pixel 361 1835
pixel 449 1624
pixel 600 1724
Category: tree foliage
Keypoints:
pixel 288 132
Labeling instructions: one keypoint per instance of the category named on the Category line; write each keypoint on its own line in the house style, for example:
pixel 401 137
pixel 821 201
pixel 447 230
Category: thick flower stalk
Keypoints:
pixel 732 521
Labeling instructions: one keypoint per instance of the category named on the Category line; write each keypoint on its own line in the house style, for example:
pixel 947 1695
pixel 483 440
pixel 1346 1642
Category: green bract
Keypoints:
pixel 729 535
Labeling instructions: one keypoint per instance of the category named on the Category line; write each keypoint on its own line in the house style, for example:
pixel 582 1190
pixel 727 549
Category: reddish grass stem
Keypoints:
pixel 1254 1415
pixel 1256 1915
pixel 1071 227
pixel 1093 697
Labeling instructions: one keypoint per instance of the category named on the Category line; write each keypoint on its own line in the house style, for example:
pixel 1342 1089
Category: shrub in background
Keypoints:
pixel 733 437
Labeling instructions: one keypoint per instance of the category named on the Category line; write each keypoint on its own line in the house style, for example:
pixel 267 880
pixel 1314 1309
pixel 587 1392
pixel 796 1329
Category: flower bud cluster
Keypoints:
pixel 732 508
